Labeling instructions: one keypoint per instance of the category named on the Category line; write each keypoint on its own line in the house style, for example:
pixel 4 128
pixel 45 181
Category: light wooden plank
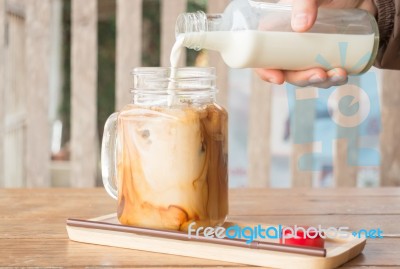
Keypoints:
pixel 169 13
pixel 16 8
pixel 84 140
pixel 259 149
pixel 315 205
pixel 37 61
pixel 2 88
pixel 302 133
pixel 344 169
pixel 49 227
pixel 379 253
pixel 129 47
pixel 15 96
pixel 216 61
pixel 300 177
pixel 242 202
pixel 311 193
pixel 56 59
pixel 20 243
pixel 50 253
pixel 345 174
pixel 389 140
pixel 354 222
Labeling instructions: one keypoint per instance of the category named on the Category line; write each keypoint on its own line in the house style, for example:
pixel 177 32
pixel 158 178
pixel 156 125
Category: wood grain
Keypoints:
pixel 300 177
pixel 37 62
pixel 389 140
pixel 169 13
pixel 353 222
pixel 15 95
pixel 259 149
pixel 128 48
pixel 302 129
pixel 32 224
pixel 344 173
pixel 84 140
pixel 2 87
pixel 65 253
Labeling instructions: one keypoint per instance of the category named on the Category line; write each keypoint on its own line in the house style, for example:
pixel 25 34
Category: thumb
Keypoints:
pixel 304 14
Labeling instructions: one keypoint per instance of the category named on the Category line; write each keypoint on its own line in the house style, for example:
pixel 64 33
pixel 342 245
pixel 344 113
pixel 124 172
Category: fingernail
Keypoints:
pixel 273 81
pixel 270 79
pixel 316 79
pixel 300 20
pixel 337 78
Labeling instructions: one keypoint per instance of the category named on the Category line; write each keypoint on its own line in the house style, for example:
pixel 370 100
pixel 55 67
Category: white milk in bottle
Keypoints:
pixel 254 33
pixel 287 50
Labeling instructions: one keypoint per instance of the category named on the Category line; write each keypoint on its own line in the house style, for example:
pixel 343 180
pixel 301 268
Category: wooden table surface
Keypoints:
pixel 33 234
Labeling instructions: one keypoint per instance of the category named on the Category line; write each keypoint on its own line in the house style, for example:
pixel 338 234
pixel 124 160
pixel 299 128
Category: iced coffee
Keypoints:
pixel 172 166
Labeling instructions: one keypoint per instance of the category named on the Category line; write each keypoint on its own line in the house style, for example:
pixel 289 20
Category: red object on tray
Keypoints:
pixel 302 236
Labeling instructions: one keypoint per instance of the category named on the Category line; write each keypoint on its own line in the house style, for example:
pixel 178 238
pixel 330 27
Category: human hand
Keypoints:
pixel 304 14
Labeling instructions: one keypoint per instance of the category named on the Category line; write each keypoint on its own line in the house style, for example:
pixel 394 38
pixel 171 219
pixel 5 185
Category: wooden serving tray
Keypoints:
pixel 338 251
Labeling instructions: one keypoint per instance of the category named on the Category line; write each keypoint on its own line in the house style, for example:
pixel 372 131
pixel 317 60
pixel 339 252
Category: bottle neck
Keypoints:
pixel 190 27
pixel 178 87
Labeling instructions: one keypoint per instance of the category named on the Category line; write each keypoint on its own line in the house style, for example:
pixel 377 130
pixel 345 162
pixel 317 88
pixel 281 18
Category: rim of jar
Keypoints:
pixel 158 80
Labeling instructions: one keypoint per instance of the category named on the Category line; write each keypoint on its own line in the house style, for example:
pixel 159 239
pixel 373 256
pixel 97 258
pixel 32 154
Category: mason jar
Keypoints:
pixel 164 156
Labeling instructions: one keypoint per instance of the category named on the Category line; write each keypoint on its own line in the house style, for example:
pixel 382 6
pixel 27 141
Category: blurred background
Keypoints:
pixel 65 67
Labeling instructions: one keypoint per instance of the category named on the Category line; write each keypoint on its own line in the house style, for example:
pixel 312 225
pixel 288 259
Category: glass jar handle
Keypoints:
pixel 108 156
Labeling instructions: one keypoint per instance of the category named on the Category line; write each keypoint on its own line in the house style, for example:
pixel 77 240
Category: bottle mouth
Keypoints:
pixel 189 27
pixel 191 22
pixel 185 80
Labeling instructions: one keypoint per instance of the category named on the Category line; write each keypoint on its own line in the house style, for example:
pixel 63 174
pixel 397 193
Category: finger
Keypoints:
pixel 336 77
pixel 271 75
pixel 327 84
pixel 307 77
pixel 304 14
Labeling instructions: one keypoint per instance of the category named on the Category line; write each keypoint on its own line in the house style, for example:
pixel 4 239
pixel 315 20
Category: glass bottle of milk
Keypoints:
pixel 259 34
